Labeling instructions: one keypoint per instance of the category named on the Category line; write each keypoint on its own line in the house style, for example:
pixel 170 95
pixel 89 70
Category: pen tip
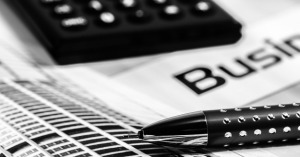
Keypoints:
pixel 141 134
pixel 131 136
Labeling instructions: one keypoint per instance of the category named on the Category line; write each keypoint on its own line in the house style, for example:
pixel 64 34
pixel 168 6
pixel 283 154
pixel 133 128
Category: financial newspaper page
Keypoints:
pixel 45 112
pixel 262 69
pixel 74 112
pixel 265 62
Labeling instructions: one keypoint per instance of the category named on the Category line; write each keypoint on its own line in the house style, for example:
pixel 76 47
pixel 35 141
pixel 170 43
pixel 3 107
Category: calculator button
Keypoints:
pixel 107 19
pixel 171 12
pixel 202 8
pixel 64 9
pixel 95 5
pixel 139 16
pixel 51 1
pixel 159 2
pixel 75 22
pixel 128 4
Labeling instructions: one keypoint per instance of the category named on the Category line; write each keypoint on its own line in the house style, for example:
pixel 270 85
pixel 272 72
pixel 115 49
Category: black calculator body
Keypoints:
pixel 77 31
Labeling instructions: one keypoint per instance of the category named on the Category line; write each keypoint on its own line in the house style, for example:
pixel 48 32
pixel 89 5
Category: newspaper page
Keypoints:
pixel 72 111
pixel 66 111
pixel 54 111
pixel 262 64
pixel 262 69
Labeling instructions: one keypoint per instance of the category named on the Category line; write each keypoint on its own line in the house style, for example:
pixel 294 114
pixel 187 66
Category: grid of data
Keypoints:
pixel 46 113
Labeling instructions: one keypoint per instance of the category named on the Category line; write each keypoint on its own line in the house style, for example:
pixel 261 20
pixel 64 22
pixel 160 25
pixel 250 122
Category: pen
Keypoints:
pixel 227 127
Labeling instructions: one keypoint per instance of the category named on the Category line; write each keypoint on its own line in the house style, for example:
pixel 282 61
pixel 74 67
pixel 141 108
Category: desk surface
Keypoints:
pixel 248 12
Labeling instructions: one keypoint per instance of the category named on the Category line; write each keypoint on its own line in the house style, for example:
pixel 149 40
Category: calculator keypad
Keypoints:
pixel 132 7
pixel 165 9
pixel 108 29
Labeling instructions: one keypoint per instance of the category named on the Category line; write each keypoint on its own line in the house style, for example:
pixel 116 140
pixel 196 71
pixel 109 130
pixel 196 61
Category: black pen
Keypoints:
pixel 226 127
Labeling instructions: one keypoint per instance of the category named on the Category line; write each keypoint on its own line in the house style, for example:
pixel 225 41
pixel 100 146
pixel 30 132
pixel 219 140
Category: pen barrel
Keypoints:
pixel 253 125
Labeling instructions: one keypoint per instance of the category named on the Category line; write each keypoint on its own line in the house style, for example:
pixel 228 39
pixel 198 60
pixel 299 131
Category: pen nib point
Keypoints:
pixel 141 134
pixel 131 136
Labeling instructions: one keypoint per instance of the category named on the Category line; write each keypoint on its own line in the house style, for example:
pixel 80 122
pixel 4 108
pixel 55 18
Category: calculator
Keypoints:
pixel 76 31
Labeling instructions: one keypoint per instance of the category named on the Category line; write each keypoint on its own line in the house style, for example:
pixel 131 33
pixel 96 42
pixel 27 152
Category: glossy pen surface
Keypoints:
pixel 225 127
pixel 181 130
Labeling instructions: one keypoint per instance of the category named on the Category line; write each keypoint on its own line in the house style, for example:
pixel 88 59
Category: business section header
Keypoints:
pixel 265 62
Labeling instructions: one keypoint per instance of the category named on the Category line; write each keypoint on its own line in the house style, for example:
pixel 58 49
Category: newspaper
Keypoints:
pixel 261 65
pixel 72 111
pixel 262 69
